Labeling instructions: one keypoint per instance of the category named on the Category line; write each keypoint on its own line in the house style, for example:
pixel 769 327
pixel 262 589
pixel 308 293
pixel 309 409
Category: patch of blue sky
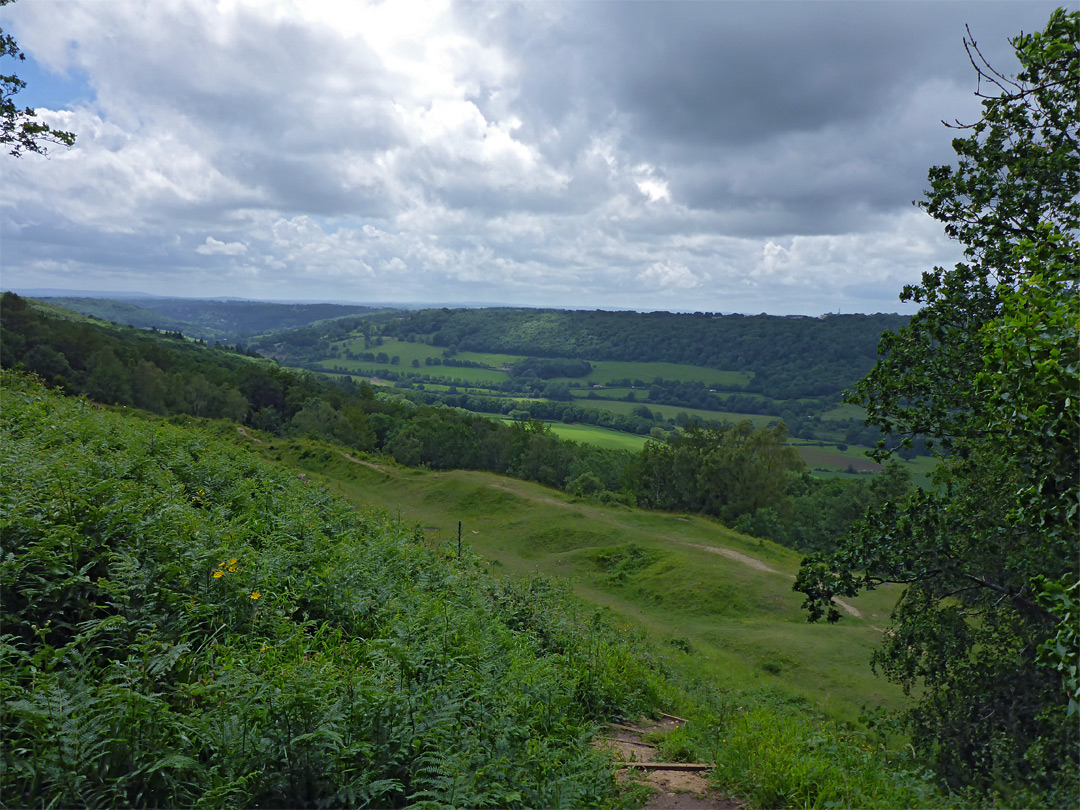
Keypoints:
pixel 47 90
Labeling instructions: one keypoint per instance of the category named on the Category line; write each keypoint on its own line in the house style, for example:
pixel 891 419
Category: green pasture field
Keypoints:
pixel 605 371
pixel 921 467
pixel 606 393
pixel 468 376
pixel 489 359
pixel 845 411
pixel 597 436
pixel 723 599
pixel 391 346
pixel 671 411
pixel 640 394
pixel 420 351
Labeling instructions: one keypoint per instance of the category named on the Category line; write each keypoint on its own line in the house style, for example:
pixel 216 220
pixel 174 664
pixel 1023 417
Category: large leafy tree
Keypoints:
pixel 20 129
pixel 988 371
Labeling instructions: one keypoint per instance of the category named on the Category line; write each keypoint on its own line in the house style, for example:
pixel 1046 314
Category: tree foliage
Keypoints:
pixel 727 471
pixel 20 129
pixel 988 371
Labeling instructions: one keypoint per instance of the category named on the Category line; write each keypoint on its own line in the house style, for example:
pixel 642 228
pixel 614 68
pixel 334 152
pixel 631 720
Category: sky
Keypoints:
pixel 706 156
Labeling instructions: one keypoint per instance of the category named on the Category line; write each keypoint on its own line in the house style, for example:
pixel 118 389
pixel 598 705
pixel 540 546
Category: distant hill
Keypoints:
pixel 54 292
pixel 790 357
pixel 209 319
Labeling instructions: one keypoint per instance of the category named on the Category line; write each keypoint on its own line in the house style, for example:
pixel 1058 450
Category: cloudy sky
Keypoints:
pixel 717 156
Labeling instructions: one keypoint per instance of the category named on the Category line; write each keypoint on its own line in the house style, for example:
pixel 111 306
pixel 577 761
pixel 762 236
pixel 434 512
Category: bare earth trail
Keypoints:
pixel 243 432
pixel 674 785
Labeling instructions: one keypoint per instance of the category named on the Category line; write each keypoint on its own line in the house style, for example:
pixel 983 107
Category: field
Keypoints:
pixel 671 411
pixel 598 436
pixel 824 458
pixel 831 457
pixel 720 601
pixel 606 371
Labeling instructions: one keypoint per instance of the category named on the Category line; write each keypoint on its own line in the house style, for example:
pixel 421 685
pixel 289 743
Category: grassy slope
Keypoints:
pixel 185 626
pixel 598 436
pixel 743 625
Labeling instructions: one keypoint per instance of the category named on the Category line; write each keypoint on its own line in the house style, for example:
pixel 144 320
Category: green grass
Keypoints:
pixel 598 436
pixel 605 371
pixel 671 411
pixel 392 346
pixel 468 376
pixel 920 468
pixel 613 394
pixel 422 351
pixel 744 625
pixel 845 411
pixel 777 702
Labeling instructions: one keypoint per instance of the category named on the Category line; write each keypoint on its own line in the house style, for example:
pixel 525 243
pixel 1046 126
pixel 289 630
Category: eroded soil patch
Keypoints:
pixel 674 785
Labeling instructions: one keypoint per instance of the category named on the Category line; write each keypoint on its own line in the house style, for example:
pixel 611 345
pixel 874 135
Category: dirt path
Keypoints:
pixel 679 785
pixel 243 432
pixel 738 556
pixel 370 464
pixel 747 560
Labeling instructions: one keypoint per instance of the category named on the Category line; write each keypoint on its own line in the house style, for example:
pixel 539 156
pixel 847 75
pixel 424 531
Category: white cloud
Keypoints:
pixel 214 247
pixel 669 274
pixel 513 152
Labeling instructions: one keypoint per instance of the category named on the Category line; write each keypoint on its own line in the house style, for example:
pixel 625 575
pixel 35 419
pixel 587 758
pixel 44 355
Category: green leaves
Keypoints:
pixel 989 371
pixel 369 670
pixel 19 128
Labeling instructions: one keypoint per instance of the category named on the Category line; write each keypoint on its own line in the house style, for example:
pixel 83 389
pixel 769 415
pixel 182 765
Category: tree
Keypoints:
pixel 20 129
pixel 725 471
pixel 988 372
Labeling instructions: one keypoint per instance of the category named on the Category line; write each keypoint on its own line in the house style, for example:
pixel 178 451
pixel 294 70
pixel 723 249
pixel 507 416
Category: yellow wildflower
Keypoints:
pixel 255 594
pixel 219 574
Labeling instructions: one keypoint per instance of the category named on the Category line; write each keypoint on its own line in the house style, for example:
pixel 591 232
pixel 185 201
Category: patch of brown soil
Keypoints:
pixel 363 463
pixel 731 554
pixel 681 786
pixel 243 432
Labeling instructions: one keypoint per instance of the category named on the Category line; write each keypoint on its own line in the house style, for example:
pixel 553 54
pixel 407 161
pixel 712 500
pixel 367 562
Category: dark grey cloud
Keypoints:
pixel 708 90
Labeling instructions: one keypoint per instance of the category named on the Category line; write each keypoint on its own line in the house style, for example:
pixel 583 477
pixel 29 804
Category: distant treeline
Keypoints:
pixel 742 476
pixel 210 319
pixel 790 357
